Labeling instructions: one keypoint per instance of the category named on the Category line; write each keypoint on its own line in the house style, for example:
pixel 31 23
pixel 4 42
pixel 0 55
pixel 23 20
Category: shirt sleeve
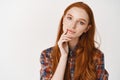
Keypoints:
pixel 45 71
pixel 102 74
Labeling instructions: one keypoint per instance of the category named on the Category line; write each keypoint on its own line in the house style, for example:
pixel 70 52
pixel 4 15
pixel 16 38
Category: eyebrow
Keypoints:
pixel 79 18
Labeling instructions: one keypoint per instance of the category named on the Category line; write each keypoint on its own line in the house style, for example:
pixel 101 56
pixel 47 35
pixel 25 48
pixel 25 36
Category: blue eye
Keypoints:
pixel 69 18
pixel 82 23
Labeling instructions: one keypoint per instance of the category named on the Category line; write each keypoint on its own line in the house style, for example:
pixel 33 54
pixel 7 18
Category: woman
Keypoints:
pixel 74 56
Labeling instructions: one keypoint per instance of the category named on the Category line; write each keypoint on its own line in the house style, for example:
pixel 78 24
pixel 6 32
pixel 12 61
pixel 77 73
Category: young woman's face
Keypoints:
pixel 76 22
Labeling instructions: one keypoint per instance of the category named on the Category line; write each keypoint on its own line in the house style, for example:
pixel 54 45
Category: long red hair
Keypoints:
pixel 84 61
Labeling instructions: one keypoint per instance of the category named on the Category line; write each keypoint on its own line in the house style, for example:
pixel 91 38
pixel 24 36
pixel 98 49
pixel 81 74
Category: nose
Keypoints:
pixel 73 24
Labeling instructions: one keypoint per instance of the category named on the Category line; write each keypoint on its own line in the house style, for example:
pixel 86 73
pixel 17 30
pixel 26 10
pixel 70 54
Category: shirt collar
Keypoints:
pixel 72 51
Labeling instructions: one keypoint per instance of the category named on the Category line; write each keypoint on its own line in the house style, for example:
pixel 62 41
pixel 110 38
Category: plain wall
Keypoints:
pixel 29 26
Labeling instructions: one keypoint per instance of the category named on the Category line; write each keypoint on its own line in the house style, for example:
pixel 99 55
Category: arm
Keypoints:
pixel 45 71
pixel 63 46
pixel 60 70
pixel 46 67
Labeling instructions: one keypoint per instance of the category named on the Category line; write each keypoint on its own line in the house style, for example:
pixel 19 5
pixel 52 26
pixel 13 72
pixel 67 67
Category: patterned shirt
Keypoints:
pixel 46 71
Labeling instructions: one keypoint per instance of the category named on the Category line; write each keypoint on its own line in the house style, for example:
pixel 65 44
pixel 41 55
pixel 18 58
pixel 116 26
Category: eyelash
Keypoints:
pixel 82 23
pixel 70 18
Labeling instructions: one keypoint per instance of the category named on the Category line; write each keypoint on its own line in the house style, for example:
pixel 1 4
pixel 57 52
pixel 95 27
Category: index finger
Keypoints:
pixel 65 32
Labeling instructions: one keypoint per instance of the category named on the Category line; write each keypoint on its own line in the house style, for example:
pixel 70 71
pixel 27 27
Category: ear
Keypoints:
pixel 89 26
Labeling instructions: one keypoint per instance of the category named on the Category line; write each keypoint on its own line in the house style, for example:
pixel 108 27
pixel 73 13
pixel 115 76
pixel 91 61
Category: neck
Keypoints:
pixel 73 43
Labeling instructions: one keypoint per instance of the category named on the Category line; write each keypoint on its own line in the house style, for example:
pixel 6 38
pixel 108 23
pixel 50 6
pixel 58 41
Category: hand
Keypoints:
pixel 63 43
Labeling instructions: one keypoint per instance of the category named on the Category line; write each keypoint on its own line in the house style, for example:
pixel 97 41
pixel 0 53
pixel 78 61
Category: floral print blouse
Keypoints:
pixel 46 72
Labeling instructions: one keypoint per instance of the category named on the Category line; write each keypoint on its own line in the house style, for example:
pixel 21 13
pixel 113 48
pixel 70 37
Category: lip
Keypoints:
pixel 71 31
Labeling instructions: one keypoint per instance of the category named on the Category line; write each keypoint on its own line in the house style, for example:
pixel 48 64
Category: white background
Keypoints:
pixel 29 26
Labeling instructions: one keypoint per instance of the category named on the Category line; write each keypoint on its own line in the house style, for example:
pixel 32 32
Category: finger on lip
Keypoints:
pixel 70 30
pixel 65 32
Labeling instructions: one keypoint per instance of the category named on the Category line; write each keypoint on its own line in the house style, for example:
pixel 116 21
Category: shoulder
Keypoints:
pixel 99 53
pixel 46 52
pixel 99 57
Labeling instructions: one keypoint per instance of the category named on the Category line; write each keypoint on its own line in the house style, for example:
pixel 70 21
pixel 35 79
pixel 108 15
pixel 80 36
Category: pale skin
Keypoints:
pixel 75 22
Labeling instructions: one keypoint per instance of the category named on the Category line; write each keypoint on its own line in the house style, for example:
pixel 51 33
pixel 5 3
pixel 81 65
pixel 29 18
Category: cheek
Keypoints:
pixel 80 31
pixel 82 28
pixel 66 23
pixel 64 28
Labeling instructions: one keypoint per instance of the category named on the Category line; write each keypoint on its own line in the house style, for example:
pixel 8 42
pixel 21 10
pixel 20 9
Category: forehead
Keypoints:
pixel 78 13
